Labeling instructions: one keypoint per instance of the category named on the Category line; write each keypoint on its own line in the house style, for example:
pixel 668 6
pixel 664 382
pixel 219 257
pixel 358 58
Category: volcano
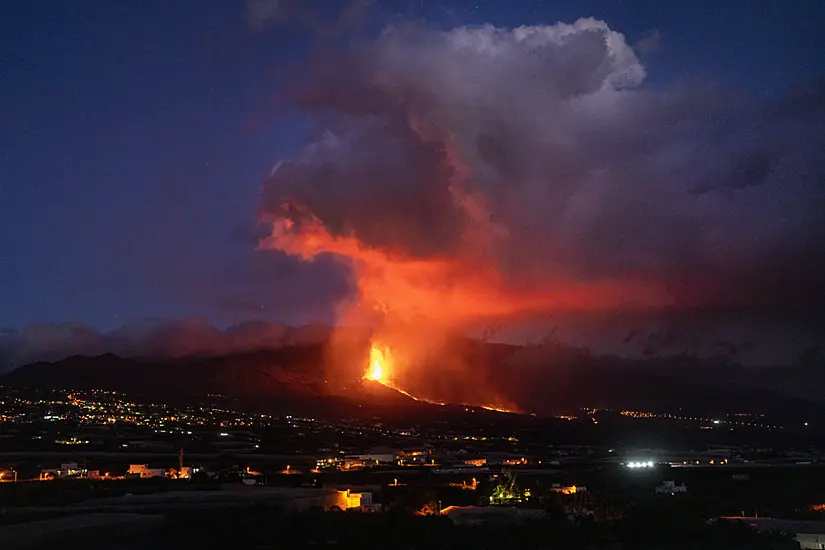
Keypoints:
pixel 305 378
pixel 289 380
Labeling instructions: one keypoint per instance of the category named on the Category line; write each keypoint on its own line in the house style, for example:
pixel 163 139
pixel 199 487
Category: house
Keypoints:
pixel 811 541
pixel 66 470
pixel 8 475
pixel 376 459
pixel 670 487
pixel 143 471
pixel 359 500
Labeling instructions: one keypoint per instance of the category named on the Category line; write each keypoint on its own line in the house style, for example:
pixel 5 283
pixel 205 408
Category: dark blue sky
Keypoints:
pixel 134 136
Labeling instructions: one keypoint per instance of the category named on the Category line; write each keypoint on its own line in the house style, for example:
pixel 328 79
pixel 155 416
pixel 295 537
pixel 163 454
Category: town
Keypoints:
pixel 103 452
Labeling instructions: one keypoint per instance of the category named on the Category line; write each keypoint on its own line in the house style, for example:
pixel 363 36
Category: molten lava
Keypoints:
pixel 380 369
pixel 375 371
pixel 381 366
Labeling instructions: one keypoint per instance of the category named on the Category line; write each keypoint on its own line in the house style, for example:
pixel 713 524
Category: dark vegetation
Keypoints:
pixel 651 527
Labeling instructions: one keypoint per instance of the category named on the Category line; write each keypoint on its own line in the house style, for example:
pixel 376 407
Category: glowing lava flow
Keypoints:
pixel 379 370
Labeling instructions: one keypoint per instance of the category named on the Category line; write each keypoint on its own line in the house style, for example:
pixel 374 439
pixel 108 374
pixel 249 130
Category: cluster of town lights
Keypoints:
pixel 648 464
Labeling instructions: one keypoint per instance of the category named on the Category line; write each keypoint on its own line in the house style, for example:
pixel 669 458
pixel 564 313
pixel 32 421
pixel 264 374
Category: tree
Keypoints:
pixel 507 490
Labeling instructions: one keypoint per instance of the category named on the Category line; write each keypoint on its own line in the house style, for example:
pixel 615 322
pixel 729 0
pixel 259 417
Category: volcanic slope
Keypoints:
pixel 545 382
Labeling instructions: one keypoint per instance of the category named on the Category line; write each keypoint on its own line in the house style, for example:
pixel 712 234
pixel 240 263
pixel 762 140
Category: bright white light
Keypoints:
pixel 716 422
pixel 649 464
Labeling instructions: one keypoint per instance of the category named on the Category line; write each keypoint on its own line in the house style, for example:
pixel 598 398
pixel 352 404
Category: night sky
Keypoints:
pixel 137 137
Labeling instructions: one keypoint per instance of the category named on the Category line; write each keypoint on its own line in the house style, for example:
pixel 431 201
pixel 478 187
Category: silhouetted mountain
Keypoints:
pixel 543 379
pixel 287 371
pixel 290 379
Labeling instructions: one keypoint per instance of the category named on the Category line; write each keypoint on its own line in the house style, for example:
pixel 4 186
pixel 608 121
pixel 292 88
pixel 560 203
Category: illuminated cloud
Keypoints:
pixel 537 157
pixel 482 174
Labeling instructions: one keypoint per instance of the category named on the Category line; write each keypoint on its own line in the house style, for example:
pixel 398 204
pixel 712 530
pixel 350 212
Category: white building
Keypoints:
pixel 374 458
pixel 145 472
pixel 357 501
pixel 670 487
pixel 69 469
pixel 811 541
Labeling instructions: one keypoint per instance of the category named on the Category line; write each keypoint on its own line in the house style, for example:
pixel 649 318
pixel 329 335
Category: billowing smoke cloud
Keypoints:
pixel 484 172
pixel 471 176
pixel 539 152
pixel 151 339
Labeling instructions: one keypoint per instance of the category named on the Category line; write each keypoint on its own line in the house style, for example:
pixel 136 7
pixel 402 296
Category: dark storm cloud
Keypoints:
pixel 582 170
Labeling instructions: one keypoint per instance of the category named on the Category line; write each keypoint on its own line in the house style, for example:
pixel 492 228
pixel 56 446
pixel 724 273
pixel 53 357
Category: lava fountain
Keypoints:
pixel 375 372
pixel 379 370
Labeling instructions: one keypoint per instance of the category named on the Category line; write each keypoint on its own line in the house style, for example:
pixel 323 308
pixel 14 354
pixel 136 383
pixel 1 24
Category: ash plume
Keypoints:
pixel 539 153
pixel 480 173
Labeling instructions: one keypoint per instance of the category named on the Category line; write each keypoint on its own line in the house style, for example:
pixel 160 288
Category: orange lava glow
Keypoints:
pixel 376 368
pixel 414 302
pixel 380 369
pixel 496 409
pixel 447 290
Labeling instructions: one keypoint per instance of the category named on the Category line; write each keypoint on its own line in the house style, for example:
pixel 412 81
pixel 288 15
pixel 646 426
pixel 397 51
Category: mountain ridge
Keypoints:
pixel 546 382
